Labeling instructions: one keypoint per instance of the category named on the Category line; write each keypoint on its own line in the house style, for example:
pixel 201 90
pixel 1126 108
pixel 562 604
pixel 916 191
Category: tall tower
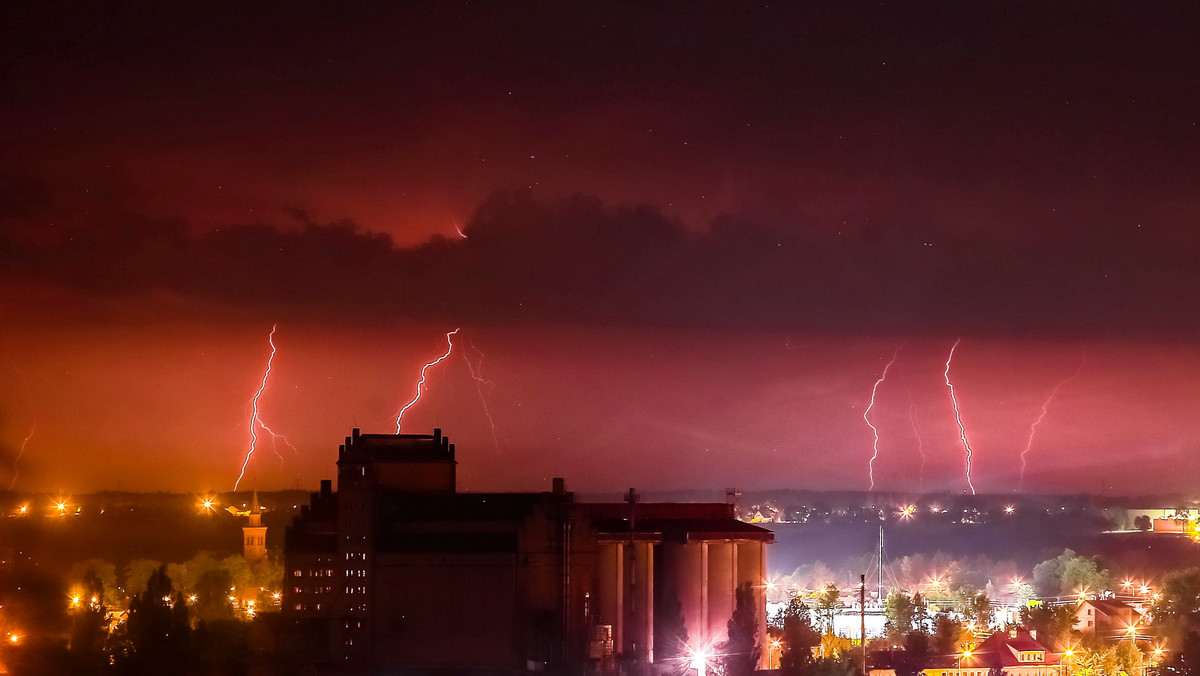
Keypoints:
pixel 254 535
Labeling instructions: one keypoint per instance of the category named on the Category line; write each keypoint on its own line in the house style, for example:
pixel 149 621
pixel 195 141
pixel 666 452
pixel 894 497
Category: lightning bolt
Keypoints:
pixel 421 382
pixel 866 419
pixel 24 443
pixel 1040 418
pixel 962 431
pixel 32 431
pixel 920 446
pixel 476 370
pixel 256 421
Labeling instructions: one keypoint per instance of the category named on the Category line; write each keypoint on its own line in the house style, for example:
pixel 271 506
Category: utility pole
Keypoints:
pixel 862 616
pixel 632 498
pixel 880 599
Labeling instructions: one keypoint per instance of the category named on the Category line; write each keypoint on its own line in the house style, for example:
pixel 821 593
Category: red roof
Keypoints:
pixel 1001 649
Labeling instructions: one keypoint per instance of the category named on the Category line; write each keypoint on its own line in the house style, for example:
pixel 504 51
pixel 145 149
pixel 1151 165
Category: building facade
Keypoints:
pixel 397 569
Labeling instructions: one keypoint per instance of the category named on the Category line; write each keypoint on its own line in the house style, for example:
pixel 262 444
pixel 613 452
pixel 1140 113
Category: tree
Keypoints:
pixel 105 572
pixel 798 637
pixel 1142 522
pixel 1024 593
pixel 946 633
pixel 920 612
pixel 917 655
pixel 157 635
pixel 1096 661
pixel 899 613
pixel 827 604
pixel 1176 619
pixel 845 665
pixel 834 646
pixel 670 631
pixel 1053 624
pixel 1069 574
pixel 138 572
pixel 740 652
pixel 978 609
pixel 89 628
pixel 1128 657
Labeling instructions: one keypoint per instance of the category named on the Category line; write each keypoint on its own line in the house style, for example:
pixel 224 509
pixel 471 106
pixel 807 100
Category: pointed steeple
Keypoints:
pixel 254 534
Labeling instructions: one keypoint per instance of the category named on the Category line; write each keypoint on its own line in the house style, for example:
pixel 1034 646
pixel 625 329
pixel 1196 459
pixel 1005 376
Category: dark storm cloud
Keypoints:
pixel 581 260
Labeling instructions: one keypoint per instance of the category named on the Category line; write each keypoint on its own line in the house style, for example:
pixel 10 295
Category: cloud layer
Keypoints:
pixel 583 261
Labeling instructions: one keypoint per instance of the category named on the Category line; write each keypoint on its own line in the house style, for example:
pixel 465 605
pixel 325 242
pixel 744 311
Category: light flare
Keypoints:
pixel 421 382
pixel 962 431
pixel 1040 418
pixel 867 419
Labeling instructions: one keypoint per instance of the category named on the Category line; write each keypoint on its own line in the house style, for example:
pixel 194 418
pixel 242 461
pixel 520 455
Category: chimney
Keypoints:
pixel 560 485
pixel 437 436
pixel 354 433
pixel 326 487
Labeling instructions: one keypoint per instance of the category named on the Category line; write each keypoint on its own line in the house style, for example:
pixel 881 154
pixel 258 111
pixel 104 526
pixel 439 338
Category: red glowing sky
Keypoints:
pixel 695 236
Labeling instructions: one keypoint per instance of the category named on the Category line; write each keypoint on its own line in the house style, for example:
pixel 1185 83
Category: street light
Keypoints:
pixel 776 648
pixel 965 654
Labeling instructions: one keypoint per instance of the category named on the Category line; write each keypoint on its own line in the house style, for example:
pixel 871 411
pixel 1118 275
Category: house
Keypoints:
pixel 1016 651
pixel 1107 618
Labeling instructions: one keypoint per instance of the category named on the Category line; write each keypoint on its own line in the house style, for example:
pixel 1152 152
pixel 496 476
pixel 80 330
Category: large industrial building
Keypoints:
pixel 397 570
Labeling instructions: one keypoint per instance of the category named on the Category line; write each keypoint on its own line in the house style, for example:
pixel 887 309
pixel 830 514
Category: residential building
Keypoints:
pixel 1106 618
pixel 1016 651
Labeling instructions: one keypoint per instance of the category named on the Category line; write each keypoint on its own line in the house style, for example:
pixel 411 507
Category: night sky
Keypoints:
pixel 681 242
